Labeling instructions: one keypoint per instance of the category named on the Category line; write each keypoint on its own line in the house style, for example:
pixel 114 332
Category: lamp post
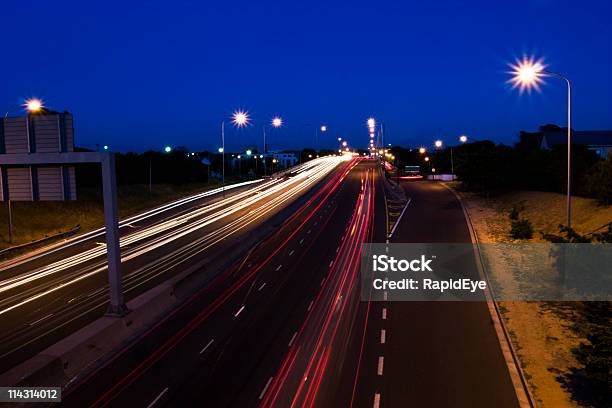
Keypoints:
pixel 277 122
pixel 528 74
pixel 240 119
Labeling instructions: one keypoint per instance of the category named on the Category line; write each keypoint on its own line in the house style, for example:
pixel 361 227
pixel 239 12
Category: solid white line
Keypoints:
pixel 381 363
pixel 207 346
pixel 292 252
pixel 239 311
pixel 377 400
pixel 278 268
pixel 384 313
pixel 310 305
pixel 158 397
pixel 265 388
pixel 292 339
pixel 399 218
pixel 261 287
pixel 41 319
pixel 383 336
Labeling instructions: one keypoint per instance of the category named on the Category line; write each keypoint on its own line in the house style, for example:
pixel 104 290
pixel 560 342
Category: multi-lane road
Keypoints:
pixel 281 324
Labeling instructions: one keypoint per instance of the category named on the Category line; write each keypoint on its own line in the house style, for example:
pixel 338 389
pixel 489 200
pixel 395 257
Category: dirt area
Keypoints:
pixel 36 220
pixel 541 331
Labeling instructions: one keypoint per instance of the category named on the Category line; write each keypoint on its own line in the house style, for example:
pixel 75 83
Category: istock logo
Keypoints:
pixel 384 263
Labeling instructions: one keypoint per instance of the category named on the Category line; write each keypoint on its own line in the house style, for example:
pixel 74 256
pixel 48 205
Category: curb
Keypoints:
pixel 521 387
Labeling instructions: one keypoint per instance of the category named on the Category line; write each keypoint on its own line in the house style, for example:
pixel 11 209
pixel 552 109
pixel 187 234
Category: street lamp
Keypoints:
pixel 33 105
pixel 167 149
pixel 463 139
pixel 422 150
pixel 438 143
pixel 527 74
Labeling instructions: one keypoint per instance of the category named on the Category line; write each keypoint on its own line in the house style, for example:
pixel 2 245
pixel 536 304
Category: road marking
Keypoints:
pixel 278 268
pixel 385 295
pixel 292 339
pixel 239 311
pixel 301 240
pixel 310 305
pixel 384 313
pixel 207 346
pixel 376 400
pixel 261 287
pixel 158 397
pixel 265 388
pixel 131 225
pixel 337 249
pixel 308 232
pixel 323 281
pixel 291 253
pixel 41 319
pixel 331 263
pixel 100 243
pixel 381 363
pixel 397 221
pixel 383 336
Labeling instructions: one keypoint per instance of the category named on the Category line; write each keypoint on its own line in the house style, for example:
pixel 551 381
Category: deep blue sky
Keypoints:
pixel 167 72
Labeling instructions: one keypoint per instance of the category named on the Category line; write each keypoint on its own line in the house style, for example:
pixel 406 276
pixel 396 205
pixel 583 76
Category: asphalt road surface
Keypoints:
pixel 48 295
pixel 429 354
pixel 225 346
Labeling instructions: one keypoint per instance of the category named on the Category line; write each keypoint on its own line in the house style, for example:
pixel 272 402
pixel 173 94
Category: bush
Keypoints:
pixel 598 181
pixel 521 229
pixel 516 211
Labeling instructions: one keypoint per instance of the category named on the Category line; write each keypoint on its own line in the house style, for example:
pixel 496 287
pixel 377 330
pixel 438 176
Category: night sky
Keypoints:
pixel 168 72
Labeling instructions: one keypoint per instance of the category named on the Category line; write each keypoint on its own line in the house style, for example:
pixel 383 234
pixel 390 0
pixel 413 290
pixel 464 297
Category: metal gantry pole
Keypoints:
pixel 117 305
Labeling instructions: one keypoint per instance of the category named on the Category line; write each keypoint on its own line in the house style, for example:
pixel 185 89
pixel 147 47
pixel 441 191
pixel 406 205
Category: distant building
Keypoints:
pixel 286 159
pixel 599 141
pixel 50 132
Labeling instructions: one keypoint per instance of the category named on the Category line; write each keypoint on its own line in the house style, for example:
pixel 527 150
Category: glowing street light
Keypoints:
pixel 438 143
pixel 344 144
pixel 248 152
pixel 167 149
pixel 221 150
pixel 33 105
pixel 528 74
pixel 422 150
pixel 105 147
pixel 426 159
pixel 463 138
pixel 339 139
pixel 240 118
pixel 277 122
pixel 323 128
pixel 371 122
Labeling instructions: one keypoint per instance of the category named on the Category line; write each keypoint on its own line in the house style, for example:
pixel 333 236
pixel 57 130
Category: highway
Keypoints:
pixel 428 354
pixel 49 294
pixel 284 305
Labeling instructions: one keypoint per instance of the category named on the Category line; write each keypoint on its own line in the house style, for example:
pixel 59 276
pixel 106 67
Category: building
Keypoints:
pixel 599 141
pixel 47 132
pixel 285 159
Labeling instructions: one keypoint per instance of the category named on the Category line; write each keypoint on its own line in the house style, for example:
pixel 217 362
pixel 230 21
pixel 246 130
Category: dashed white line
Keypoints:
pixel 323 281
pixel 337 249
pixel 385 295
pixel 381 363
pixel 261 287
pixel 301 241
pixel 331 263
pixel 292 252
pixel 377 400
pixel 384 313
pixel 310 305
pixel 207 346
pixel 383 336
pixel 292 339
pixel 265 388
pixel 239 311
pixel 158 397
pixel 278 268
pixel 308 232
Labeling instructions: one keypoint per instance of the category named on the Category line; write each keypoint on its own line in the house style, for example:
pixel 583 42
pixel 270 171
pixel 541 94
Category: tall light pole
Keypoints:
pixel 240 119
pixel 276 122
pixel 528 74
